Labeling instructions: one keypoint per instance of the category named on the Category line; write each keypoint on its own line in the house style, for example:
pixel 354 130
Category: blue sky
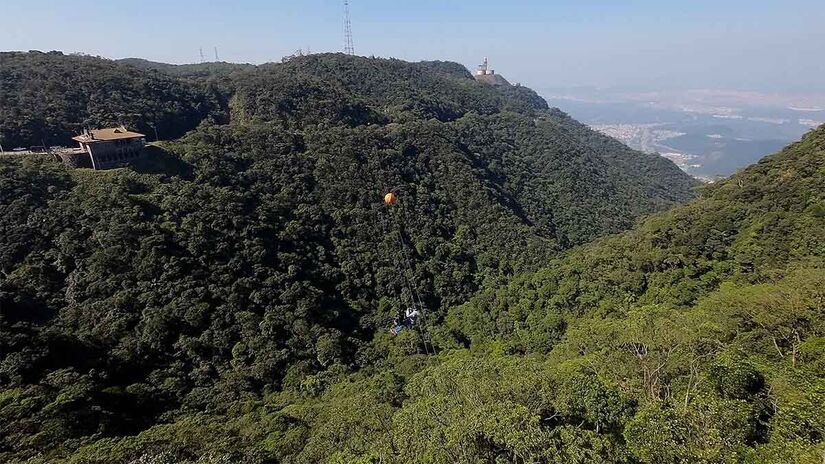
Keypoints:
pixel 734 44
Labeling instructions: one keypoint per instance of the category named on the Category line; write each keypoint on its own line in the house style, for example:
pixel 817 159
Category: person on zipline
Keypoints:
pixel 410 317
pixel 412 313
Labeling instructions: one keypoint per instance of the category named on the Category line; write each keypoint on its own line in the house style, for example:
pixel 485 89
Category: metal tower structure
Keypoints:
pixel 216 55
pixel 349 48
pixel 200 50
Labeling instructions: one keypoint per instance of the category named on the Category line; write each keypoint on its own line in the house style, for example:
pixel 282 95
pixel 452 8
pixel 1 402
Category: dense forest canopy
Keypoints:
pixel 46 98
pixel 190 71
pixel 229 298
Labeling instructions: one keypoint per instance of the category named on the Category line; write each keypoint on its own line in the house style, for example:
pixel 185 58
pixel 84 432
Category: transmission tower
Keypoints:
pixel 349 48
pixel 216 55
pixel 201 52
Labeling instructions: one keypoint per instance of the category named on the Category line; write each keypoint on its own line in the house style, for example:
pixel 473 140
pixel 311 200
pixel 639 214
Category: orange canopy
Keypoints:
pixel 390 198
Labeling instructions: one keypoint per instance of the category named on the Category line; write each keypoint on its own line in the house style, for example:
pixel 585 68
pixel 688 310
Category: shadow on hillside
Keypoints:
pixel 156 160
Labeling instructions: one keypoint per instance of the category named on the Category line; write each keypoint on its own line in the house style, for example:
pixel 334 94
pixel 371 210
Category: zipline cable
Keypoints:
pixel 418 303
pixel 407 285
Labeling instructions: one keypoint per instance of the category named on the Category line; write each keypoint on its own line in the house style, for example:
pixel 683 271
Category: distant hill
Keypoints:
pixel 194 70
pixel 395 89
pixel 46 98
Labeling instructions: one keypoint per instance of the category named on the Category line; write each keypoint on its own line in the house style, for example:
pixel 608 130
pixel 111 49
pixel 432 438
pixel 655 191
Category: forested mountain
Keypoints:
pixel 191 71
pixel 697 336
pixel 46 98
pixel 396 90
pixel 230 298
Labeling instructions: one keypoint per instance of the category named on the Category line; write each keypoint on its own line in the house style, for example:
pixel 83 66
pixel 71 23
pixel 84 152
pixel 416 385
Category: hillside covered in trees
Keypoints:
pixel 697 336
pixel 230 299
pixel 46 98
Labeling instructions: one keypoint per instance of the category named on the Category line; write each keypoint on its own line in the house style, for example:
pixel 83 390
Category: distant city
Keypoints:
pixel 708 133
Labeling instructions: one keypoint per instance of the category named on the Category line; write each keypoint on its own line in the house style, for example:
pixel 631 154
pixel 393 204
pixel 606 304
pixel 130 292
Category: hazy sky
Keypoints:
pixel 730 44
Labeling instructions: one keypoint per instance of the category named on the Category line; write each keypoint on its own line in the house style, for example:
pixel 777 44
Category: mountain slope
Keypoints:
pixel 189 71
pixel 508 131
pixel 267 262
pixel 697 336
pixel 701 330
pixel 747 228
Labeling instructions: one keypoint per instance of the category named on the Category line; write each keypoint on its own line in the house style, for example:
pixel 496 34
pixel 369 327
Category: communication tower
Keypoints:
pixel 349 48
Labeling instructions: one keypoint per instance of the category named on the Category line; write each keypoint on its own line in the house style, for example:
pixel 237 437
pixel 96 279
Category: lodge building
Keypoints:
pixel 110 148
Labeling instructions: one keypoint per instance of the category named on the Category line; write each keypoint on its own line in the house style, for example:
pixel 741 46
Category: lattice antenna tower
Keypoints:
pixel 200 50
pixel 349 48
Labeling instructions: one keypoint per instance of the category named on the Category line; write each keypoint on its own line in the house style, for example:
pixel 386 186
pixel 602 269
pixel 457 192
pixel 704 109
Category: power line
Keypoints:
pixel 349 48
